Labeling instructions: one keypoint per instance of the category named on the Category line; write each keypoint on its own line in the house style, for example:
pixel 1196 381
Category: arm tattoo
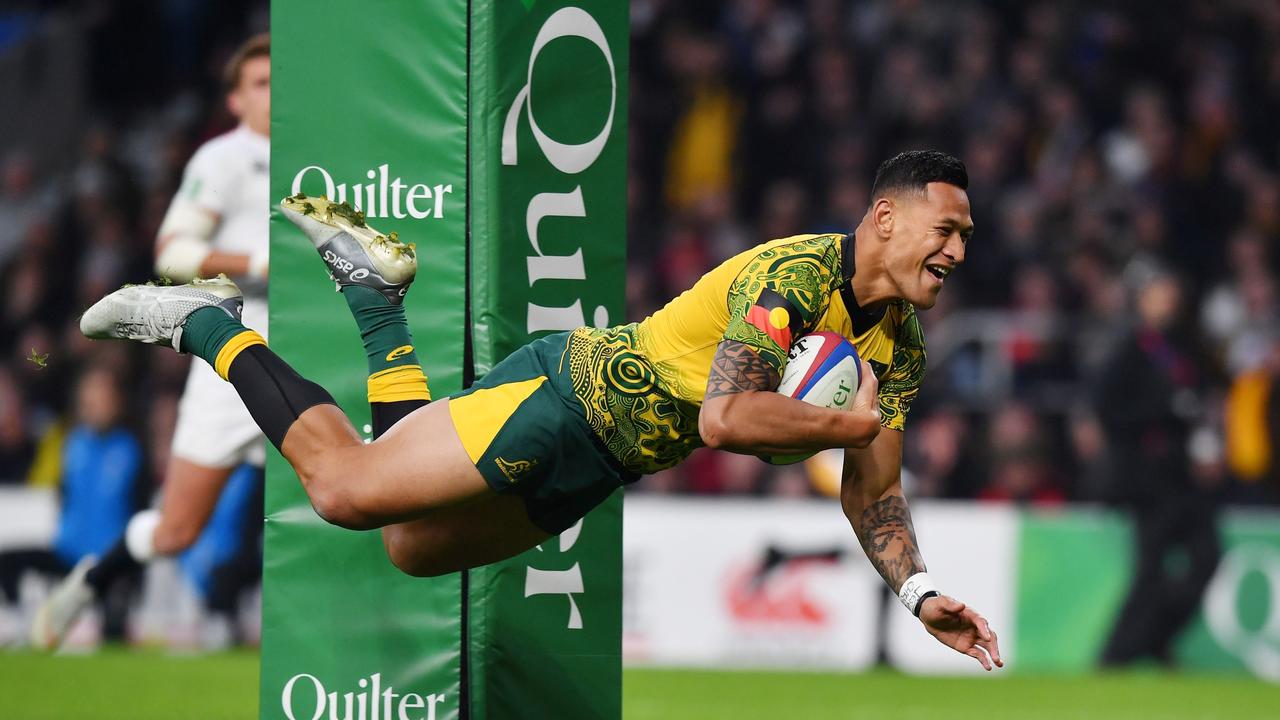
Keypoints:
pixel 736 367
pixel 885 531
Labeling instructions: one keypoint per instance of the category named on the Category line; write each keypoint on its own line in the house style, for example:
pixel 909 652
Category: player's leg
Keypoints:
pixel 349 483
pixel 213 435
pixel 17 562
pixel 415 467
pixel 452 539
pixel 190 494
pixel 345 479
pixel 521 434
pixel 243 570
pixel 373 272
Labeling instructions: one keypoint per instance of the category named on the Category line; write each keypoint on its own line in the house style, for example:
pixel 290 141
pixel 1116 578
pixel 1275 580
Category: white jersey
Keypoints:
pixel 228 176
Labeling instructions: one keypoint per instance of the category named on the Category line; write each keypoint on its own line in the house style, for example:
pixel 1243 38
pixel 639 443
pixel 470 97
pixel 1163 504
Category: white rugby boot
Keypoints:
pixel 59 611
pixel 355 253
pixel 155 313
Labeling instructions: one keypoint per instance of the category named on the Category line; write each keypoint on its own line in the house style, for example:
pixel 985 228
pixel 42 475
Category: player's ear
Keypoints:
pixel 234 104
pixel 882 216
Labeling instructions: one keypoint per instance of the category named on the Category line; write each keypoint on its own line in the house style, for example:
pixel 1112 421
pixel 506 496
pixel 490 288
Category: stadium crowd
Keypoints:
pixel 1108 147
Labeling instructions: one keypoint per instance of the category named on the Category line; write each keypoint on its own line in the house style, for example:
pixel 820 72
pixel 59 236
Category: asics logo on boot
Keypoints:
pixel 338 263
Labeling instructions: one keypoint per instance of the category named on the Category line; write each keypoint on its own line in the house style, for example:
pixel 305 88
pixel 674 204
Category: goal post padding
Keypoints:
pixel 382 105
pixel 548 243
pixel 369 105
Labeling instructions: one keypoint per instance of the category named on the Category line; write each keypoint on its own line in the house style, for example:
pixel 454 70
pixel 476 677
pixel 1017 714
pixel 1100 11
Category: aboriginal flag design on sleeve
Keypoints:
pixel 776 317
pixel 782 293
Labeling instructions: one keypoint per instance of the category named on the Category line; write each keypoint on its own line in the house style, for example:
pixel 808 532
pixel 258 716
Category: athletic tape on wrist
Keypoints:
pixel 184 240
pixel 139 535
pixel 915 591
pixel 181 257
pixel 258 263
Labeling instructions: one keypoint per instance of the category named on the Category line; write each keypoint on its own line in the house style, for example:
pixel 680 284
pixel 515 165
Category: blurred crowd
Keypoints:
pixel 1114 151
pixel 78 218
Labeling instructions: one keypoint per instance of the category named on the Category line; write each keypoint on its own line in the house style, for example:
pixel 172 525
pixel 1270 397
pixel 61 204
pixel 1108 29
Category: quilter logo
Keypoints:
pixel 381 195
pixel 305 697
pixel 568 158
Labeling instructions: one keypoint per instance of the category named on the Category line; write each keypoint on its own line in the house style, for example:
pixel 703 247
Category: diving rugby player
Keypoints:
pixel 560 424
pixel 217 223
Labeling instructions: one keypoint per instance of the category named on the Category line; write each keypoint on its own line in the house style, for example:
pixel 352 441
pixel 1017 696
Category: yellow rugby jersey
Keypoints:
pixel 641 385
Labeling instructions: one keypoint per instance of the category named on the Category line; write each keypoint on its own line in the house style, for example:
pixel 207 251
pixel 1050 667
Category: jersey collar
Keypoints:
pixel 259 142
pixel 862 320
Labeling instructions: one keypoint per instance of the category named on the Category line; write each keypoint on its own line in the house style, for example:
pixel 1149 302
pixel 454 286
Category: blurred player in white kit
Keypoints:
pixel 217 223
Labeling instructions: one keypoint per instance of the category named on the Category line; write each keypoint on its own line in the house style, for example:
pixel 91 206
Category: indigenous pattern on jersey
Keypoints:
pixel 641 385
pixel 643 424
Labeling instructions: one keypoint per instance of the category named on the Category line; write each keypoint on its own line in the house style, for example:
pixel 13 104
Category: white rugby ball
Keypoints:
pixel 822 369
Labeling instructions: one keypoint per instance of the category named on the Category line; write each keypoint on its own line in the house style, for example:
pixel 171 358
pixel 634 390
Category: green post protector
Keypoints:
pixel 548 241
pixel 379 104
pixel 369 106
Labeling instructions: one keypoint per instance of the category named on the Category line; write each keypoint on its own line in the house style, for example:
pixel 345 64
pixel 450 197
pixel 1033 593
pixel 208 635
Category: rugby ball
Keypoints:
pixel 822 369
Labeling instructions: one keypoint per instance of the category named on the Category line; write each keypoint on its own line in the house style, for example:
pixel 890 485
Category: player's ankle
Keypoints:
pixel 360 298
pixel 203 330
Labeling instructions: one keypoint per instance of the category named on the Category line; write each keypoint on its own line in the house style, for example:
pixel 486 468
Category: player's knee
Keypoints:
pixel 335 506
pixel 412 558
pixel 330 495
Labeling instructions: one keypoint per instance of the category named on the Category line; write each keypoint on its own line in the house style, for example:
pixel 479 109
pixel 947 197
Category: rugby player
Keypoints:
pixel 560 424
pixel 217 223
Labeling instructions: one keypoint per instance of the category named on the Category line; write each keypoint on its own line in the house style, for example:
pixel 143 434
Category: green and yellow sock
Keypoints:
pixel 395 374
pixel 275 395
pixel 214 336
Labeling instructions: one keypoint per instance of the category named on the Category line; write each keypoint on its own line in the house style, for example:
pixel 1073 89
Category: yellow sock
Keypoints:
pixel 402 382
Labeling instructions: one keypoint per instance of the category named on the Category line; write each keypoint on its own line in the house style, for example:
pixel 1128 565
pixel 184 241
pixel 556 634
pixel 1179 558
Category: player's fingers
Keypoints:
pixel 978 654
pixel 987 639
pixel 870 383
pixel 993 648
pixel 984 630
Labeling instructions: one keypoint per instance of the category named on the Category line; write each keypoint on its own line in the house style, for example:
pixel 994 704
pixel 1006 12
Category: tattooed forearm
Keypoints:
pixel 885 531
pixel 736 368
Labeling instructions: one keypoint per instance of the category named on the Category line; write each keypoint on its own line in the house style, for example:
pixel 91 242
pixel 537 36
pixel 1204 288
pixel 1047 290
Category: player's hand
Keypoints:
pixel 865 409
pixel 867 399
pixel 962 629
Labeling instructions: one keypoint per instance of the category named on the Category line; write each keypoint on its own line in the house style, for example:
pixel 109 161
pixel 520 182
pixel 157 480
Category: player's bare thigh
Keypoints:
pixel 464 536
pixel 417 466
pixel 190 494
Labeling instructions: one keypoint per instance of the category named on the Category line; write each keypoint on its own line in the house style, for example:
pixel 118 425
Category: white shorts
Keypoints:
pixel 214 429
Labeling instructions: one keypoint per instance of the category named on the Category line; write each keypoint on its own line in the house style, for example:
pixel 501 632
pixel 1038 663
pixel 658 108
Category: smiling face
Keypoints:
pixel 927 232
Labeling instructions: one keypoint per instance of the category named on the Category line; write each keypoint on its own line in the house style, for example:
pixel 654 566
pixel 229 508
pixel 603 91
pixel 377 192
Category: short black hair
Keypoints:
pixel 915 169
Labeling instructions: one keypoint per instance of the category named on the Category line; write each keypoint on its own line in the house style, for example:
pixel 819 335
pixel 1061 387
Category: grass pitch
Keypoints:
pixel 132 685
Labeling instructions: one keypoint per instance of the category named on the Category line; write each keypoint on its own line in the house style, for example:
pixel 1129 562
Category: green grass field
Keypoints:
pixel 127 685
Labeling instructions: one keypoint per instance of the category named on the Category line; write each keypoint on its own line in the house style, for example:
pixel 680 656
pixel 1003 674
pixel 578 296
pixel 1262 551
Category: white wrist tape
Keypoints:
pixel 915 590
pixel 259 262
pixel 139 535
pixel 181 258
pixel 185 235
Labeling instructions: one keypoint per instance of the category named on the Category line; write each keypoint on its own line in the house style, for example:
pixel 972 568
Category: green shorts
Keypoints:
pixel 525 431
